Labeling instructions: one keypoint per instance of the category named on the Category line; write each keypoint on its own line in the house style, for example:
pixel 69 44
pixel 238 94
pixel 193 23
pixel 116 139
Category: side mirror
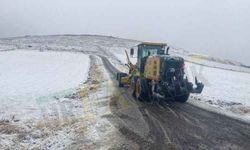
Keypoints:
pixel 131 52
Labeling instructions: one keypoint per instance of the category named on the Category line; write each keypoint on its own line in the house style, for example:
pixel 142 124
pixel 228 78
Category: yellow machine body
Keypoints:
pixel 152 68
pixel 126 80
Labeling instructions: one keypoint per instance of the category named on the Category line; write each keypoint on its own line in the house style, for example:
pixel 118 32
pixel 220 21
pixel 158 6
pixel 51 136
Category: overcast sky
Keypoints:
pixel 214 27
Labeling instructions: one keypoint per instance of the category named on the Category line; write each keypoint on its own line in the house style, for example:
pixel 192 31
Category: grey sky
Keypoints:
pixel 214 27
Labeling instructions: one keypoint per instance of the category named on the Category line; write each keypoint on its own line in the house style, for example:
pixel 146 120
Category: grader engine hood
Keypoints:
pixel 173 73
pixel 171 66
pixel 172 61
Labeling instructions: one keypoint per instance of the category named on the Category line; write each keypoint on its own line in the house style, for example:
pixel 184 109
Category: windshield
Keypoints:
pixel 149 52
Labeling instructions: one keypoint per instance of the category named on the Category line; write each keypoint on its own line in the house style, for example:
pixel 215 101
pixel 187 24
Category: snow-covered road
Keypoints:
pixel 27 78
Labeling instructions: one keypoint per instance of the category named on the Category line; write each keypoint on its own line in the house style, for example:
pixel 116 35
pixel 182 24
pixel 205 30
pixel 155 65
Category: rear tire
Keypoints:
pixel 182 98
pixel 120 84
pixel 142 92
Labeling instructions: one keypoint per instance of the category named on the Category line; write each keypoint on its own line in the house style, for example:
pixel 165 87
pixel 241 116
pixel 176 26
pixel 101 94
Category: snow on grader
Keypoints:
pixel 157 75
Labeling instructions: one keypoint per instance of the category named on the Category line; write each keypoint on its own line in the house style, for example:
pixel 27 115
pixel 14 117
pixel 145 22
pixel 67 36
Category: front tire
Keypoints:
pixel 119 76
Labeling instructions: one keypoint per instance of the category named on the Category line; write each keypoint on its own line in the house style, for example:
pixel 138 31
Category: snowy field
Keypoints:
pixel 31 79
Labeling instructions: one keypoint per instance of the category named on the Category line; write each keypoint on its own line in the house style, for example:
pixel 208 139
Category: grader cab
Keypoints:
pixel 157 73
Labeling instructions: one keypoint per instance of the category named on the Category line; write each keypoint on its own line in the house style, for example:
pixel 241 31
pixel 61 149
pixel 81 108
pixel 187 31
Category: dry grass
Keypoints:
pixel 8 128
pixel 93 83
pixel 240 110
pixel 56 124
pixel 87 89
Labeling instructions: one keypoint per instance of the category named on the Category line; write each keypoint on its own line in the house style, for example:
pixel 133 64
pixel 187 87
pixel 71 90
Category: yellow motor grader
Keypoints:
pixel 157 74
